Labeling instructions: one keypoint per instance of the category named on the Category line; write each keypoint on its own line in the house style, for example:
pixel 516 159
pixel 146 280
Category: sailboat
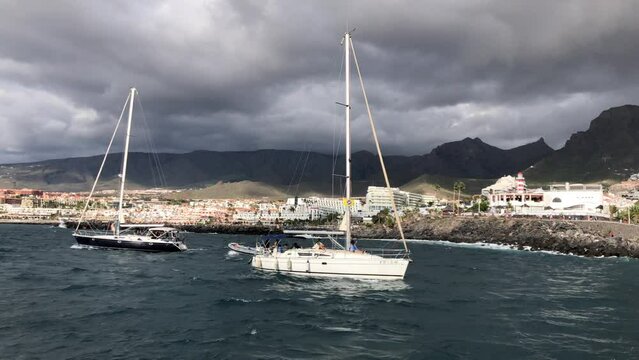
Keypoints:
pixel 146 237
pixel 340 260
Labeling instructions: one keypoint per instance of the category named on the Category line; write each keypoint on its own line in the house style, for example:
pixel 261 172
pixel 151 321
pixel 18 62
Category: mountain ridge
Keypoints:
pixel 607 150
pixel 282 169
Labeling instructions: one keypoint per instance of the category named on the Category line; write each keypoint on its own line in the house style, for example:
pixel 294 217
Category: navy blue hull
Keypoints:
pixel 127 245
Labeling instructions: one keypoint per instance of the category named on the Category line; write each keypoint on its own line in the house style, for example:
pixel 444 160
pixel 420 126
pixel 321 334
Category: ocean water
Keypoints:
pixel 59 301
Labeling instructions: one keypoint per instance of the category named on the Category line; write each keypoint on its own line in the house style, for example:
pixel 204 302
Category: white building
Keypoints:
pixel 379 198
pixel 327 205
pixel 558 199
pixel 574 197
pixel 504 184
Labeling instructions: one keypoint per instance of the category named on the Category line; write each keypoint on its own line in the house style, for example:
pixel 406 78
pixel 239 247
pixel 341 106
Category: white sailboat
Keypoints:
pixel 145 237
pixel 340 260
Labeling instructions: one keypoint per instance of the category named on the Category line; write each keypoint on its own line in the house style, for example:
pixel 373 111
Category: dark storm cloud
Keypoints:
pixel 244 75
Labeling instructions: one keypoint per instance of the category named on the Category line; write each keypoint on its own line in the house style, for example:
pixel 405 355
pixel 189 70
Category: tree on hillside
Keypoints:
pixel 458 187
pixel 484 204
pixel 629 214
pixel 612 210
pixel 384 217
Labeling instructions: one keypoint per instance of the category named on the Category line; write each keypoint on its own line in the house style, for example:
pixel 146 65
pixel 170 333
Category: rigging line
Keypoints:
pixel 153 152
pixel 308 153
pixel 147 138
pixel 86 205
pixel 145 130
pixel 148 141
pixel 379 150
pixel 150 157
pixel 294 174
pixel 156 157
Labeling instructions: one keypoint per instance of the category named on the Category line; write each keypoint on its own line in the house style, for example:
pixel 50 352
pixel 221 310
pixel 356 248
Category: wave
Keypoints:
pixel 83 247
pixel 340 329
pixel 491 246
pixel 504 247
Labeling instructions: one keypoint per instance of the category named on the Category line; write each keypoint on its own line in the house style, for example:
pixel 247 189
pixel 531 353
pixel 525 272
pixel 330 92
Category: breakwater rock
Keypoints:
pixel 586 238
pixel 230 229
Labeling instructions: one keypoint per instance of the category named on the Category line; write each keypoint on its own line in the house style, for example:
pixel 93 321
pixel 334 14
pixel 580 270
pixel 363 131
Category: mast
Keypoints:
pixel 126 157
pixel 347 103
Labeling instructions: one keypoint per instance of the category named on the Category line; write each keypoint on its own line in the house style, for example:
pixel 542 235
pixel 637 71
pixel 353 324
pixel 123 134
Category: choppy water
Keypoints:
pixel 59 301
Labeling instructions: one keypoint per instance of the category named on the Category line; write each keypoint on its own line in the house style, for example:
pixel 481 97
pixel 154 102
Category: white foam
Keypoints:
pixel 502 247
pixel 476 245
pixel 82 247
pixel 341 329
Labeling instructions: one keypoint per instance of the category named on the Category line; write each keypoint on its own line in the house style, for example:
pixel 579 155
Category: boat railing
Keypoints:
pixel 91 232
pixel 388 253
pixel 381 252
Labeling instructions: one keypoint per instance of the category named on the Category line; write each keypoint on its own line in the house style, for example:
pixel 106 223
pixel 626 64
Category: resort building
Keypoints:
pixel 559 199
pixel 327 205
pixel 379 198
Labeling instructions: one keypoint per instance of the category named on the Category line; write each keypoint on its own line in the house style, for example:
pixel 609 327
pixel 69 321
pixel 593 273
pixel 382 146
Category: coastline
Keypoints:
pixel 29 222
pixel 583 238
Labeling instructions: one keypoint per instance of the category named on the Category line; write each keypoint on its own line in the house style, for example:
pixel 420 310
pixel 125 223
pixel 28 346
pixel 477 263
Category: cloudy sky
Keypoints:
pixel 246 75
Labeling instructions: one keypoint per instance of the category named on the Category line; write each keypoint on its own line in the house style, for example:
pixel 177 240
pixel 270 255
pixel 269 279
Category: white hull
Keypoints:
pixel 332 263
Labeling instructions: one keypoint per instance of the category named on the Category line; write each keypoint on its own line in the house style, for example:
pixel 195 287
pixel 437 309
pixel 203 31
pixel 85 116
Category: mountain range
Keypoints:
pixel 291 172
pixel 607 150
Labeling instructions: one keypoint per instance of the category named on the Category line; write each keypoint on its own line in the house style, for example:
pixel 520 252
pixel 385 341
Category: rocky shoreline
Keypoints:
pixel 585 238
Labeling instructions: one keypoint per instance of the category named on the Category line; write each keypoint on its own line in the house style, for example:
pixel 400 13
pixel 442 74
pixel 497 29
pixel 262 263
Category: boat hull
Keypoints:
pixel 364 267
pixel 242 249
pixel 129 244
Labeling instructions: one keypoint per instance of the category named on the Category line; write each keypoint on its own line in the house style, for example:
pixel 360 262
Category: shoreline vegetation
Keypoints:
pixel 584 238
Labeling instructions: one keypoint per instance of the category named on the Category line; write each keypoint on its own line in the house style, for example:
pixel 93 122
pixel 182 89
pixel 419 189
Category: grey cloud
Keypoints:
pixel 244 75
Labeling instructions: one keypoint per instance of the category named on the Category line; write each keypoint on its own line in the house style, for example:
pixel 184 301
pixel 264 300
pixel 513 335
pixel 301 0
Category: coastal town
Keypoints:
pixel 508 196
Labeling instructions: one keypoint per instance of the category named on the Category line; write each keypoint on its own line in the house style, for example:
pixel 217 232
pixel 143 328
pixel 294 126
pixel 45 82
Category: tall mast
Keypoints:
pixel 126 157
pixel 347 103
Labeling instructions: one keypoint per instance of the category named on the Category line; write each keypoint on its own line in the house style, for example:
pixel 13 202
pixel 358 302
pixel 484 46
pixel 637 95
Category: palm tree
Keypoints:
pixel 459 186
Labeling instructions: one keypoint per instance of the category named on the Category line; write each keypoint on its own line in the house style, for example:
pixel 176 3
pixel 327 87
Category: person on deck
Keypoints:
pixel 319 245
pixel 353 246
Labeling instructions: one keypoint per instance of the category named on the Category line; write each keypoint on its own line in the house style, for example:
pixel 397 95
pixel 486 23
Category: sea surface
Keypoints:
pixel 62 301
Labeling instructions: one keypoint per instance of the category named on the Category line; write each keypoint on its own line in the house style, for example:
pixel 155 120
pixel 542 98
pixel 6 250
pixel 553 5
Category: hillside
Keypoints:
pixel 288 172
pixel 235 190
pixel 607 150
pixel 472 158
pixel 441 186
